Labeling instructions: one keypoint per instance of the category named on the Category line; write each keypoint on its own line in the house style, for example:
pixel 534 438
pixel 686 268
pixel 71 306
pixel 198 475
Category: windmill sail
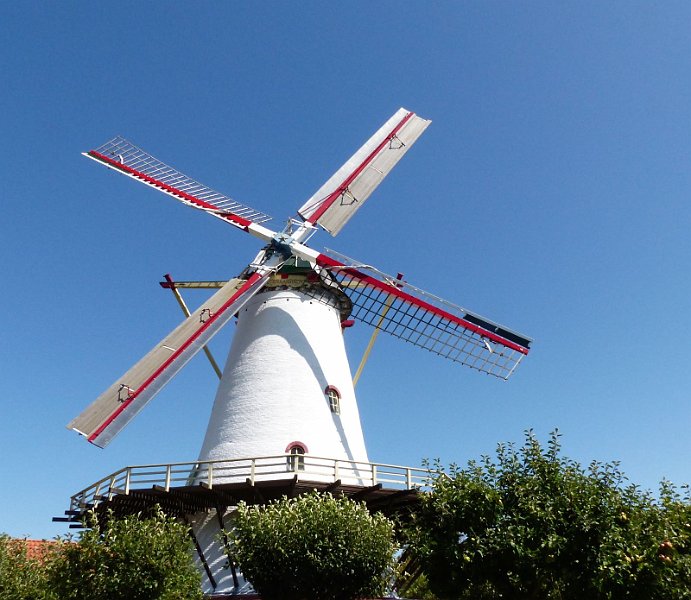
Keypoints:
pixel 126 158
pixel 410 314
pixel 347 189
pixel 121 402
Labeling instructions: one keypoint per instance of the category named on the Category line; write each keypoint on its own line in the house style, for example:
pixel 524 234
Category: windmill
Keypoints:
pixel 287 389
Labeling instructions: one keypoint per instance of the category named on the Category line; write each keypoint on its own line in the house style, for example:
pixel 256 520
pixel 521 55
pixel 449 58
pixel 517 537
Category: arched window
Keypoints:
pixel 296 459
pixel 334 398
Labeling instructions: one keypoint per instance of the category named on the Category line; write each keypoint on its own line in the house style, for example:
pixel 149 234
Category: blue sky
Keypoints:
pixel 551 194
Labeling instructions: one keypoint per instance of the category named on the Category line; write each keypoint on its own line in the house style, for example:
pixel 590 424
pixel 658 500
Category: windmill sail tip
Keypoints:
pixel 346 191
pixel 507 334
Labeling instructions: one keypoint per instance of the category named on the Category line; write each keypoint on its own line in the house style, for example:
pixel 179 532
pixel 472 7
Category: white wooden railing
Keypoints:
pixel 252 470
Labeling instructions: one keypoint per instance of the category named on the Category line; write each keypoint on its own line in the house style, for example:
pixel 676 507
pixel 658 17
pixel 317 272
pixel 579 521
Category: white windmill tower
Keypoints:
pixel 286 389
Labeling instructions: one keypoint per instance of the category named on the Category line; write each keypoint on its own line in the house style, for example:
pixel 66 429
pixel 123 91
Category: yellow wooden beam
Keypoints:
pixel 172 285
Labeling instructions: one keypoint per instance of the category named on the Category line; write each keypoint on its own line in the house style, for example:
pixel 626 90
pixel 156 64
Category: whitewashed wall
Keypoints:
pixel 288 347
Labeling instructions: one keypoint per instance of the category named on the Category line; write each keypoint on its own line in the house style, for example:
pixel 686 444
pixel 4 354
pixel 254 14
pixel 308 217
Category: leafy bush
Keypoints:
pixel 314 547
pixel 132 558
pixel 533 524
pixel 21 577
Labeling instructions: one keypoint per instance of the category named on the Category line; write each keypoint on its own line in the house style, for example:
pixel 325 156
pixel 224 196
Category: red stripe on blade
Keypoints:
pixel 228 216
pixel 327 261
pixel 248 284
pixel 329 200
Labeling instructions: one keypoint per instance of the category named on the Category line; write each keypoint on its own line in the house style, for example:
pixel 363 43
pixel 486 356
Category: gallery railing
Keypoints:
pixel 250 470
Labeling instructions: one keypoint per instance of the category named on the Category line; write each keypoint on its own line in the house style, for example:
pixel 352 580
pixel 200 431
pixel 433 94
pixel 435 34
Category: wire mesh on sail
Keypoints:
pixel 465 338
pixel 123 152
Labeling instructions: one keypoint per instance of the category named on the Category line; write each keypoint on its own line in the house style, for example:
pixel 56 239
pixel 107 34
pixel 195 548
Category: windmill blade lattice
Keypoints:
pixel 427 321
pixel 127 158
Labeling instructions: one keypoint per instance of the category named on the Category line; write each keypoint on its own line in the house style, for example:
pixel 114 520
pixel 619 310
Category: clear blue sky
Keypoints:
pixel 551 194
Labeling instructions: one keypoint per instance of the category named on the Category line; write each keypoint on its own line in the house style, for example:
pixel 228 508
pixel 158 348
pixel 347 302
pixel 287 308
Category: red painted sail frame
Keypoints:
pixel 329 200
pixel 123 400
pixel 464 337
pixel 123 156
pixel 346 191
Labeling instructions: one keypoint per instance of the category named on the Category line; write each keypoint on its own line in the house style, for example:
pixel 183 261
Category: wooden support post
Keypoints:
pixel 200 552
pixel 332 486
pixel 364 492
pixel 187 313
pixel 293 483
pixel 387 305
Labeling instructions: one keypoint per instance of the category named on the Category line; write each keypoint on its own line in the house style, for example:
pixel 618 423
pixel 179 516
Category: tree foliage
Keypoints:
pixel 21 577
pixel 314 547
pixel 532 524
pixel 130 558
pixel 418 588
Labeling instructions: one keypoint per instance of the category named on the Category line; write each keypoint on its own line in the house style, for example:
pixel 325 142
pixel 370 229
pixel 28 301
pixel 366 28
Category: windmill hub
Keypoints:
pixel 319 286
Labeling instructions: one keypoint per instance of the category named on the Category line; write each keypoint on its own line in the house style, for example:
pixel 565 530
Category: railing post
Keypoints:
pixel 167 478
pixel 336 470
pixel 374 474
pixel 252 471
pixel 110 487
pixel 127 480
pixel 408 478
pixel 210 475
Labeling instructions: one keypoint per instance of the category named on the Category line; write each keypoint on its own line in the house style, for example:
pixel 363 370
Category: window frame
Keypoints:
pixel 333 397
pixel 295 459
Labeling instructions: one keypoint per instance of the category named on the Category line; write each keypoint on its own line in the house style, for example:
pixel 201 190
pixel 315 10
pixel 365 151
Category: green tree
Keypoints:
pixel 314 547
pixel 132 558
pixel 532 524
pixel 21 577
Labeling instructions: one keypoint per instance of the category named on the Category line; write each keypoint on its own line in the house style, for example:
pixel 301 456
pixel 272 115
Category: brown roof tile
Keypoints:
pixel 37 549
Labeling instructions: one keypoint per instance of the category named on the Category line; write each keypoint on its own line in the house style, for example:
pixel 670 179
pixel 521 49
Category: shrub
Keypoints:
pixel 130 558
pixel 535 525
pixel 314 547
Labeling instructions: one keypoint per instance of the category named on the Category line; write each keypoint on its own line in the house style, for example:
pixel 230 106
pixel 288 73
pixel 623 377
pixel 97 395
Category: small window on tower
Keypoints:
pixel 296 459
pixel 334 398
